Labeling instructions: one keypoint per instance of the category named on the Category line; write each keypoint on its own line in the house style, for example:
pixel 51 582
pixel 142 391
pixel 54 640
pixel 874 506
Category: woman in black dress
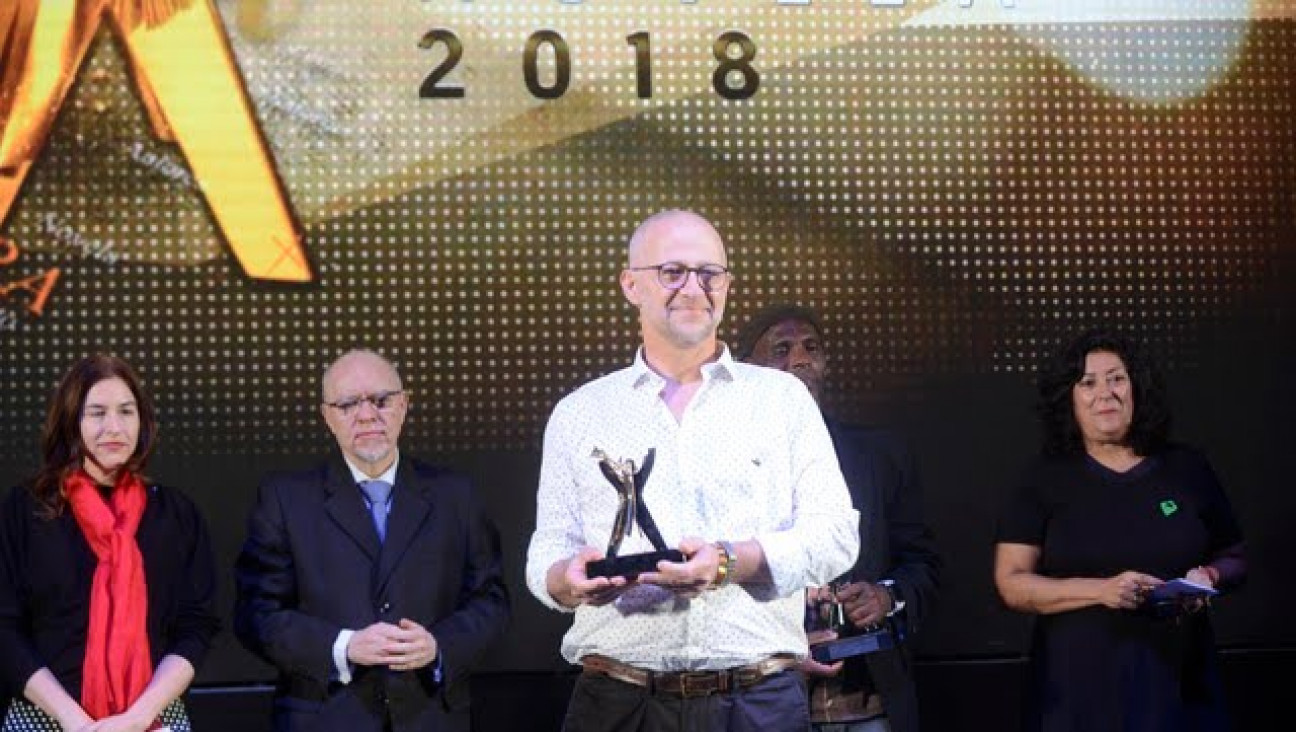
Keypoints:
pixel 106 580
pixel 1107 515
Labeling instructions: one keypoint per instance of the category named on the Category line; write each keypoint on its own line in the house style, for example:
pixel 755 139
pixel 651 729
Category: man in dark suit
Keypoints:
pixel 897 571
pixel 372 581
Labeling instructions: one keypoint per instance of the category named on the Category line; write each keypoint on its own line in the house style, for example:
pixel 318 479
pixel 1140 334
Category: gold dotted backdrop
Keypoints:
pixel 954 192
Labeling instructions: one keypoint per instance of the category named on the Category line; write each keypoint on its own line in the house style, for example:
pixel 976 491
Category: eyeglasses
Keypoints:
pixel 383 401
pixel 674 275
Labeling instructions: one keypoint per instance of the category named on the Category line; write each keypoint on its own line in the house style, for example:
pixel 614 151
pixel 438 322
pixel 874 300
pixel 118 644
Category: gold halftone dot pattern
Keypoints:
pixel 952 200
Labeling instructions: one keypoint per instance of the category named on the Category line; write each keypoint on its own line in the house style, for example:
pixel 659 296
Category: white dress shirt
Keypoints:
pixel 340 663
pixel 750 458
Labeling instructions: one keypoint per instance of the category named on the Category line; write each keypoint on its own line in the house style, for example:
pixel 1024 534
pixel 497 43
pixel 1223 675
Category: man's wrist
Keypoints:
pixel 558 585
pixel 889 586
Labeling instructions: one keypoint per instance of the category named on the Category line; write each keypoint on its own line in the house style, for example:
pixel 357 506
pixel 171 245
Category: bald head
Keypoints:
pixel 356 356
pixel 673 223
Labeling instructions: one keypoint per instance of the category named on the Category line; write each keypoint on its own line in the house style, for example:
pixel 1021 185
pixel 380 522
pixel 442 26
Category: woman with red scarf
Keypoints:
pixel 106 580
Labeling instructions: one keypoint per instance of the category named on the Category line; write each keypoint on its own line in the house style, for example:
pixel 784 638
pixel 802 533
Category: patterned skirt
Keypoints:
pixel 23 716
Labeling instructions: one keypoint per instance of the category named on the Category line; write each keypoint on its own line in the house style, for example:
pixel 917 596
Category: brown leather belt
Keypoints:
pixel 688 684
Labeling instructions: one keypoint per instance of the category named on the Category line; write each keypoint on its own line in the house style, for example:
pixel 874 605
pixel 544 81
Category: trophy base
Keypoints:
pixel 631 565
pixel 888 636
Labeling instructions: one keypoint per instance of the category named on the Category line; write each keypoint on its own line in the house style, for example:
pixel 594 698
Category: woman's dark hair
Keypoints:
pixel 62 451
pixel 1150 426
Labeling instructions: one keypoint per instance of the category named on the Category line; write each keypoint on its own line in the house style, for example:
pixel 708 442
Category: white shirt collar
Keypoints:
pixel 723 366
pixel 388 476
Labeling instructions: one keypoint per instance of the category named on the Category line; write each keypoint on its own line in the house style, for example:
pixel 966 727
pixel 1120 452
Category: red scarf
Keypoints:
pixel 117 664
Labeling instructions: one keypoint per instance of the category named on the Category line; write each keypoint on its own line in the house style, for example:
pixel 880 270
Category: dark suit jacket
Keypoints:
pixel 312 565
pixel 46 571
pixel 897 545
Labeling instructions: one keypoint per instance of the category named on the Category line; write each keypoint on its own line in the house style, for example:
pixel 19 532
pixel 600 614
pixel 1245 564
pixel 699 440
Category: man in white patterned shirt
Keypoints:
pixel 744 482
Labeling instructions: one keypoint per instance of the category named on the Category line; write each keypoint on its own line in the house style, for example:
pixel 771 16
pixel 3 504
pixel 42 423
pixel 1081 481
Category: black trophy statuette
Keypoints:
pixel 629 486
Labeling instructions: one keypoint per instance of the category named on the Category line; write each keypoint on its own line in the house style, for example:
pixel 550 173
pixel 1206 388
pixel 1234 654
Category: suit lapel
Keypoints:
pixel 411 508
pixel 346 508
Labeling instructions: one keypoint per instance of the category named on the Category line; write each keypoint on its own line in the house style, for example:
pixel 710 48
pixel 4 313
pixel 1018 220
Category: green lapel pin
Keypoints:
pixel 1168 508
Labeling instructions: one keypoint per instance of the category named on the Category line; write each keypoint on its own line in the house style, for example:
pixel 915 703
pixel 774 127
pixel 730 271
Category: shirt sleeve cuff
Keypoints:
pixel 342 667
pixel 782 554
pixel 796 560
pixel 537 578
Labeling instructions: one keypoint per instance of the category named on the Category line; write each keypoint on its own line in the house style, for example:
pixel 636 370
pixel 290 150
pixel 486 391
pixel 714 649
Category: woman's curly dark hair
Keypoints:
pixel 1150 426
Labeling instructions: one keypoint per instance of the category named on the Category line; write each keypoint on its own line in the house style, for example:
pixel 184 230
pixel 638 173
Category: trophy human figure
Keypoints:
pixel 629 486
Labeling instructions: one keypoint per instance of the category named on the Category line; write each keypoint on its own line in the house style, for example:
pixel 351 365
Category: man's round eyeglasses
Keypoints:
pixel 383 401
pixel 674 275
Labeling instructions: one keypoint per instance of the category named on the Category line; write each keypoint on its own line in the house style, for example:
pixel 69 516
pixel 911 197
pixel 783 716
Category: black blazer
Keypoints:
pixel 897 545
pixel 46 571
pixel 312 565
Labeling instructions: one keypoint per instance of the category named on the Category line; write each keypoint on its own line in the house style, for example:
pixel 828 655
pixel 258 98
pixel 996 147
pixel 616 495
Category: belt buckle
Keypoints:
pixel 749 675
pixel 699 689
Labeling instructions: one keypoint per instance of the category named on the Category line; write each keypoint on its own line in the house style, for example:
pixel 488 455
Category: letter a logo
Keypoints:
pixel 190 87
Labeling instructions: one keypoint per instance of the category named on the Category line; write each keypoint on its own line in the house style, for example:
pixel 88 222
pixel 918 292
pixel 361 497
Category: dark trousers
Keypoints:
pixel 602 704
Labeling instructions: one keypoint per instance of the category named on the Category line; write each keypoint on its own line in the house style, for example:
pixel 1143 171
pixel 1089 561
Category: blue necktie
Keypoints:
pixel 378 493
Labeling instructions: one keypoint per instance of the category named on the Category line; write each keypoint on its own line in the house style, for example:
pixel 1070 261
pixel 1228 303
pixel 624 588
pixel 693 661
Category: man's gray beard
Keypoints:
pixel 373 455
